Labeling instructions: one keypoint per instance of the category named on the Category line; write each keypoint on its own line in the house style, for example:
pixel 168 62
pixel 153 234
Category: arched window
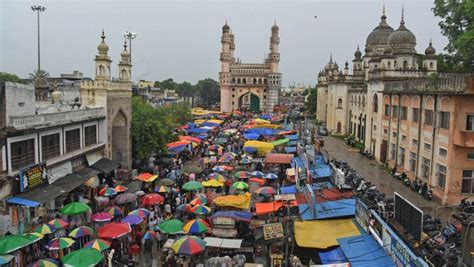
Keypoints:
pixel 101 70
pixel 124 75
pixel 259 81
pixel 375 104
pixel 431 65
pixel 238 80
pixel 264 81
pixel 358 101
pixel 244 81
pixel 254 81
pixel 405 64
pixel 389 65
pixel 363 101
pixel 339 103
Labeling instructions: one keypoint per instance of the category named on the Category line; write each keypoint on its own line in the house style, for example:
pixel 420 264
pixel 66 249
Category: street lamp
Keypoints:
pixel 38 9
pixel 130 36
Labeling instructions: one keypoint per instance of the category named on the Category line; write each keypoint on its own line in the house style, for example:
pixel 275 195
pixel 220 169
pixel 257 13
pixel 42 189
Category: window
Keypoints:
pixel 404 137
pixel 402 157
pixel 427 146
pixel 73 140
pixel 395 111
pixel 414 142
pixel 444 120
pixel 339 103
pixel 22 153
pixel 470 155
pixel 403 113
pixel 412 162
pixel 470 122
pixel 375 104
pixel 467 182
pixel 394 134
pixel 392 151
pixel 443 152
pixel 90 135
pixel 416 115
pixel 429 117
pixel 425 167
pixel 387 110
pixel 441 175
pixel 50 147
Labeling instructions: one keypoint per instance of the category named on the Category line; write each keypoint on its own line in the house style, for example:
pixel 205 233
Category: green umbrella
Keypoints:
pixel 172 226
pixel 165 182
pixel 192 185
pixel 240 185
pixel 280 142
pixel 75 208
pixel 83 258
pixel 11 243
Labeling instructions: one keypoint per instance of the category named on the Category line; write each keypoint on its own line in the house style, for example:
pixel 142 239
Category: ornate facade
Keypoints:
pixel 254 86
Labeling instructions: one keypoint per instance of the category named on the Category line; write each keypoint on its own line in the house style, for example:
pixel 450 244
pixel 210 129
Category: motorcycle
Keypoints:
pixel 426 192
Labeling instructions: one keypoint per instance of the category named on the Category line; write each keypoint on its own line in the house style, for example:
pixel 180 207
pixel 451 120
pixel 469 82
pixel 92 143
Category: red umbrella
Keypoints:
pixel 101 217
pixel 114 230
pixel 152 199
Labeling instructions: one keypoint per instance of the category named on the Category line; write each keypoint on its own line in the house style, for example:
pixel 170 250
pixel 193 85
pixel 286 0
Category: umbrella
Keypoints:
pixel 140 212
pixel 140 193
pixel 217 176
pixel 152 178
pixel 184 207
pixel 114 230
pixel 98 244
pixel 218 169
pixel 60 243
pixel 34 236
pixel 225 159
pixel 162 189
pixel 125 198
pixel 75 208
pixel 144 176
pixel 101 217
pixel 242 174
pixel 115 211
pixel 120 188
pixel 83 258
pixel 250 149
pixel 132 219
pixel 245 161
pixel 10 243
pixel 271 176
pixel 152 199
pixel 200 199
pixel 45 229
pixel 266 190
pixel 46 263
pixel 149 235
pixel 172 226
pixel 212 183
pixel 258 174
pixel 188 245
pixel 192 185
pixel 58 223
pixel 166 181
pixel 240 185
pixel 197 226
pixel 214 147
pixel 81 231
pixel 4 259
pixel 201 209
pixel 107 192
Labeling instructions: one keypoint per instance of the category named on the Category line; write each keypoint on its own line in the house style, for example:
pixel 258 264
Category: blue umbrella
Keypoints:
pixel 250 149
pixel 271 176
pixel 132 219
pixel 218 169
pixel 257 174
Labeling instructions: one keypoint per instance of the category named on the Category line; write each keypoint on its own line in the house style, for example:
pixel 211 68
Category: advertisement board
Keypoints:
pixel 409 216
pixel 33 176
pixel 362 214
pixel 273 231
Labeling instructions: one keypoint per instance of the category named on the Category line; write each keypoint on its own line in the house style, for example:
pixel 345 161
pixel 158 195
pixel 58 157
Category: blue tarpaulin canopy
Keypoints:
pixel 202 136
pixel 266 117
pixel 251 136
pixel 262 131
pixel 364 251
pixel 293 143
pixel 299 162
pixel 250 149
pixel 290 149
pixel 198 130
pixel 23 202
pixel 332 256
pixel 177 149
pixel 236 215
pixel 288 189
pixel 335 209
pixel 210 124
pixel 321 170
pixel 293 137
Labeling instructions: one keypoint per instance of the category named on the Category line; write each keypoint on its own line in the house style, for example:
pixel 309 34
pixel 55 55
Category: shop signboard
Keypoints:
pixel 273 231
pixel 277 260
pixel 362 214
pixel 33 176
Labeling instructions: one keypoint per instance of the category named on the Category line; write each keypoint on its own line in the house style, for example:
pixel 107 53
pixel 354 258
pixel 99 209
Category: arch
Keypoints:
pixel 358 101
pixel 375 103
pixel 254 81
pixel 120 135
pixel 260 81
pixel 431 65
pixel 244 81
pixel 238 80
pixel 339 103
pixel 265 81
pixel 405 64
pixel 124 74
pixel 339 127
pixel 363 101
pixel 101 70
pixel 395 100
pixel 389 65
pixel 406 101
pixel 429 103
pixel 445 104
pixel 250 101
pixel 416 102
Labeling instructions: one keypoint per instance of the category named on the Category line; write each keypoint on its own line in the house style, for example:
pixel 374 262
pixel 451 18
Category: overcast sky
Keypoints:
pixel 181 39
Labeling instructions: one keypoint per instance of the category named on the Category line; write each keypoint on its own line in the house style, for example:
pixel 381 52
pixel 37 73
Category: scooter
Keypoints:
pixel 406 181
pixel 426 192
pixel 416 185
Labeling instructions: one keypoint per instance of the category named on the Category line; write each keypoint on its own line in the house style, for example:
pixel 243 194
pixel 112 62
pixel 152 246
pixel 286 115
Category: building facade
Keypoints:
pixel 252 86
pixel 406 113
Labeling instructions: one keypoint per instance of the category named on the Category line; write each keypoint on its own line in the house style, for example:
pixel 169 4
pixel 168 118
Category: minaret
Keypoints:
pixel 357 63
pixel 274 56
pixel 125 68
pixel 224 75
pixel 232 46
pixel 226 41
pixel 102 61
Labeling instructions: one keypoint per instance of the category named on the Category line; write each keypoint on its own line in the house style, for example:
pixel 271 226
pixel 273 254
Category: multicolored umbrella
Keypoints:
pixel 242 174
pixel 120 188
pixel 75 208
pixel 184 207
pixel 11 243
pixel 217 176
pixel 240 185
pixel 46 263
pixel 140 212
pixel 162 189
pixel 132 219
pixel 144 176
pixel 58 223
pixel 266 190
pixel 165 181
pixel 81 231
pixel 218 169
pixel 201 209
pixel 101 217
pixel 199 199
pixel 107 192
pixel 188 245
pixel 98 244
pixel 258 174
pixel 152 199
pixel 114 230
pixel 149 235
pixel 192 185
pixel 45 229
pixel 226 159
pixel 197 226
pixel 245 161
pixel 114 211
pixel 34 236
pixel 125 198
pixel 271 176
pixel 60 243
pixel 214 147
pixel 83 258
pixel 172 226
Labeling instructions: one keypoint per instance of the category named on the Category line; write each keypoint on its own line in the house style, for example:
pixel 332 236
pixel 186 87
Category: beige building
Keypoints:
pixel 405 112
pixel 145 84
pixel 254 86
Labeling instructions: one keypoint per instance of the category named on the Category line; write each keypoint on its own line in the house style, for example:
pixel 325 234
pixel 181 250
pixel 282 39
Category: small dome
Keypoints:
pixel 275 28
pixel 430 51
pixel 225 28
pixel 330 64
pixel 103 47
pixel 388 50
pixel 379 36
pixel 357 53
pixel 125 54
pixel 402 41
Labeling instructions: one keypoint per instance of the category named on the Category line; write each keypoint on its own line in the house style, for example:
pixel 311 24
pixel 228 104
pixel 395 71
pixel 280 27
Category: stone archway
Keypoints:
pixel 249 101
pixel 119 136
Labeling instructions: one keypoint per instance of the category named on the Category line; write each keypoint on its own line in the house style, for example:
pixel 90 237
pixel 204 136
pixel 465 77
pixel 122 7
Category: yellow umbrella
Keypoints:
pixel 212 183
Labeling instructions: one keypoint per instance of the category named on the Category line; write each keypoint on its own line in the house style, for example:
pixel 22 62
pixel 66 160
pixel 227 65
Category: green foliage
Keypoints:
pixel 312 102
pixel 39 74
pixel 185 89
pixel 208 91
pixel 168 84
pixel 457 24
pixel 9 77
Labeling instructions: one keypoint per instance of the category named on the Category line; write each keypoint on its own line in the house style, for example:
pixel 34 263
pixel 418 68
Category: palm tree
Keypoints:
pixel 39 74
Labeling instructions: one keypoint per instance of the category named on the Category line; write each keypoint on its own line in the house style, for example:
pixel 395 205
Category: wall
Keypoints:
pixel 20 100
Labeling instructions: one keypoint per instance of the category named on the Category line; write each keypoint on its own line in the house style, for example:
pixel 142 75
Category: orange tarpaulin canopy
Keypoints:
pixel 265 208
pixel 276 158
pixel 178 143
pixel 190 138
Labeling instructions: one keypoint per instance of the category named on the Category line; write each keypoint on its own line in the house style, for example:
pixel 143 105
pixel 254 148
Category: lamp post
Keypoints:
pixel 38 9
pixel 130 36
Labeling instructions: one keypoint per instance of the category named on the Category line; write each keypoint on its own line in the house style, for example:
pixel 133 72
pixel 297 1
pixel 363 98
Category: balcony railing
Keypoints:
pixel 464 138
pixel 45 120
pixel 443 83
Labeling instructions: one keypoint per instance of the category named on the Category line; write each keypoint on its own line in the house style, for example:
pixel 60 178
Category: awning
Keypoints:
pixel 105 165
pixel 236 215
pixel 332 256
pixel 23 202
pixel 223 242
pixel 290 149
pixel 323 234
pixel 293 137
pixel 335 209
pixel 288 189
pixel 276 158
pixel 363 250
pixel 265 208
pixel 321 170
pixel 240 201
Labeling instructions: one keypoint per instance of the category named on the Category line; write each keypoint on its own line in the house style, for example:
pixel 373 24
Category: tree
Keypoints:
pixel 168 84
pixel 457 24
pixel 9 77
pixel 208 91
pixel 185 89
pixel 39 74
pixel 312 102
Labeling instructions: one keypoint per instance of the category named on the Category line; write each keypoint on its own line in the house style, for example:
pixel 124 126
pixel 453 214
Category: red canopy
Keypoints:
pixel 152 199
pixel 114 230
pixel 190 138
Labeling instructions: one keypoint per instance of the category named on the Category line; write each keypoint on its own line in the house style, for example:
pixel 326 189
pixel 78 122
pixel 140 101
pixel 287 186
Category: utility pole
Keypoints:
pixel 130 36
pixel 38 9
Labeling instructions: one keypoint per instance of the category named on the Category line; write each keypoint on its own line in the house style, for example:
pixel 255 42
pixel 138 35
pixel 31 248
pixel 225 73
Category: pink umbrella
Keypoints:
pixel 101 217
